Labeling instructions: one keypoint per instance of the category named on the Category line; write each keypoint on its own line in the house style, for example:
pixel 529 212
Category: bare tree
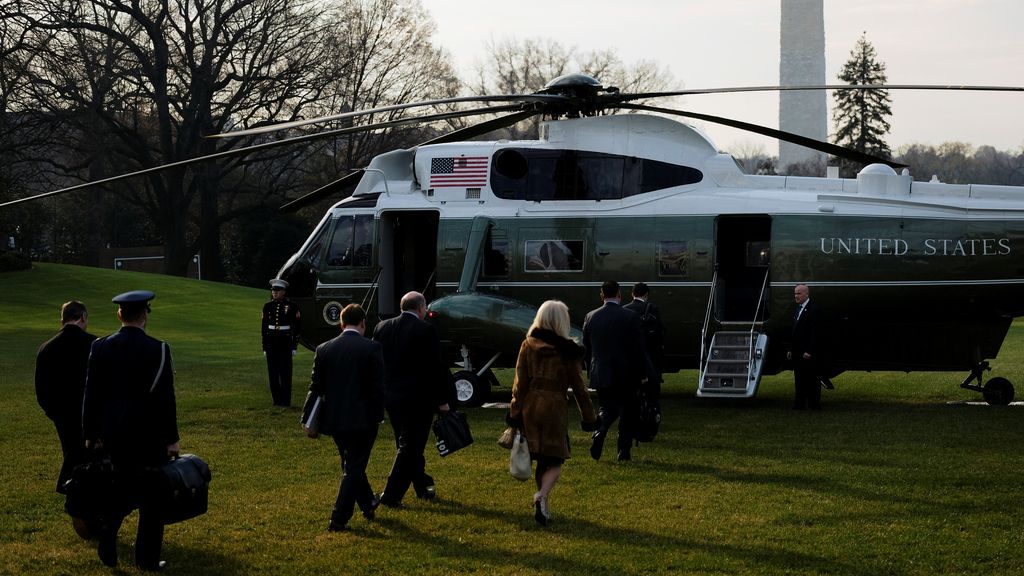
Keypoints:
pixel 524 66
pixel 380 52
pixel 141 84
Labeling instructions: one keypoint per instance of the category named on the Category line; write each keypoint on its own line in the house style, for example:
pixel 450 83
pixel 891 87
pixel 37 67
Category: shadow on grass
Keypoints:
pixel 611 552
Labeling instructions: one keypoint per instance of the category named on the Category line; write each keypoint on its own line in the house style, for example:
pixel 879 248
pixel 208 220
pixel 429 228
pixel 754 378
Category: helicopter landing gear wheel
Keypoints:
pixel 998 391
pixel 470 389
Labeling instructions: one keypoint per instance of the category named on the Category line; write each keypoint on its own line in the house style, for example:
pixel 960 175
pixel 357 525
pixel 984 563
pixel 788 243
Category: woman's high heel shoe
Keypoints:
pixel 541 513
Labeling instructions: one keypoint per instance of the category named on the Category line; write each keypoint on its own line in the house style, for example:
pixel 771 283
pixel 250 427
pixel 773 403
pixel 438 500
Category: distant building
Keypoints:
pixel 802 63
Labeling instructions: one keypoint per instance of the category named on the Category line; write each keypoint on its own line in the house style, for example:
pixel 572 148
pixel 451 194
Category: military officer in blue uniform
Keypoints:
pixel 281 329
pixel 129 413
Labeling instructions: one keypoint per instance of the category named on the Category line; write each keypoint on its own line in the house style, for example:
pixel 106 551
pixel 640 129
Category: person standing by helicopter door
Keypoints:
pixel 805 351
pixel 281 328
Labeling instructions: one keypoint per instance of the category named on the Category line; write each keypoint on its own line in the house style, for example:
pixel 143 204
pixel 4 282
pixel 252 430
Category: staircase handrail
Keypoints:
pixel 707 321
pixel 753 325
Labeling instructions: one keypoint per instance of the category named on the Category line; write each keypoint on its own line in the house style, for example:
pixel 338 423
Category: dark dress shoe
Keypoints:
pixel 597 445
pixel 337 527
pixel 539 515
pixel 389 503
pixel 624 455
pixel 428 493
pixel 160 565
pixel 371 512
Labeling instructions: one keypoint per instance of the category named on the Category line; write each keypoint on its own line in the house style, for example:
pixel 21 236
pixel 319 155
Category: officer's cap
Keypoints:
pixel 278 283
pixel 134 299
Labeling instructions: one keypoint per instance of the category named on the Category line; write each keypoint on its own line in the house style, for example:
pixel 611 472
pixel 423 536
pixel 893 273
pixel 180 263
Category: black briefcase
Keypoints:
pixel 184 488
pixel 91 491
pixel 452 432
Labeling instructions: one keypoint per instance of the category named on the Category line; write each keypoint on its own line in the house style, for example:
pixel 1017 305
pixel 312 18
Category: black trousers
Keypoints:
pixel 279 369
pixel 137 488
pixel 619 403
pixel 411 425
pixel 807 384
pixel 354 447
pixel 72 444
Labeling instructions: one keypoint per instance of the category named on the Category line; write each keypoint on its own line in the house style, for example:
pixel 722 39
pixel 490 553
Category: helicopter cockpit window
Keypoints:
pixel 544 175
pixel 554 255
pixel 352 242
pixel 673 258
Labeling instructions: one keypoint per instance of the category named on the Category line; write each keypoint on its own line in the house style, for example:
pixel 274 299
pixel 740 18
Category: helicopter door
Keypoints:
pixel 408 257
pixel 742 256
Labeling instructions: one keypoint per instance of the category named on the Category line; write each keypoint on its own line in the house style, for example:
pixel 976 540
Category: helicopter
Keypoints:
pixel 916 276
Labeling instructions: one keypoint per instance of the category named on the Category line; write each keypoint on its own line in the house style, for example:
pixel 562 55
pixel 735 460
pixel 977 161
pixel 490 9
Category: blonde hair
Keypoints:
pixel 552 315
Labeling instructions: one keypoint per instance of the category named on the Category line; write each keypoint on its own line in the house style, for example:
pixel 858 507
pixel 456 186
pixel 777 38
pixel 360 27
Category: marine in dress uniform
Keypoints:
pixel 129 412
pixel 281 328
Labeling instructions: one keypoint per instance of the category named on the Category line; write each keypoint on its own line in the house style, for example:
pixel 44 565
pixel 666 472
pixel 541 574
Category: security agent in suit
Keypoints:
pixel 61 365
pixel 129 413
pixel 348 377
pixel 654 334
pixel 805 350
pixel 617 366
pixel 417 384
pixel 281 327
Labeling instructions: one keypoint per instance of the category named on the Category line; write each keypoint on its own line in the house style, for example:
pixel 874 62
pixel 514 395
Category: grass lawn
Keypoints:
pixel 890 478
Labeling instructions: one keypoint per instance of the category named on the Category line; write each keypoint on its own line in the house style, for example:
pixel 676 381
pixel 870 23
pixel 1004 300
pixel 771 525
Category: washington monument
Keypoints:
pixel 802 62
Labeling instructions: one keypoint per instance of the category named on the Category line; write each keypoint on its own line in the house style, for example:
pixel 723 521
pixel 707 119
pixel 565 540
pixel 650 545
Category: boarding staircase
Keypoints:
pixel 731 364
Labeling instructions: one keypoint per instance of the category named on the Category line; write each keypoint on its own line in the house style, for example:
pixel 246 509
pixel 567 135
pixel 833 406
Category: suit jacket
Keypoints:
pixel 413 371
pixel 654 334
pixel 806 336
pixel 348 371
pixel 61 365
pixel 614 346
pixel 129 397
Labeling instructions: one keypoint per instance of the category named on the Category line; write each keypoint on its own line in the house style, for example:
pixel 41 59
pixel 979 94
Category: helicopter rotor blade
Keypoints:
pixel 833 149
pixel 462 134
pixel 275 144
pixel 482 128
pixel 521 99
pixel 620 97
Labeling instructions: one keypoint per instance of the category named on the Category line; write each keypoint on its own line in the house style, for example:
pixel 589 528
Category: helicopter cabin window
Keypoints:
pixel 352 242
pixel 497 258
pixel 545 175
pixel 673 258
pixel 554 255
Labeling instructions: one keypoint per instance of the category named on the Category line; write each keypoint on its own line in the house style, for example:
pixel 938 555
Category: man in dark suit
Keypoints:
pixel 654 334
pixel 416 385
pixel 805 350
pixel 61 365
pixel 129 412
pixel 616 365
pixel 348 378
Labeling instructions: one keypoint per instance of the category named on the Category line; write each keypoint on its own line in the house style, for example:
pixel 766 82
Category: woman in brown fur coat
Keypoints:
pixel 547 371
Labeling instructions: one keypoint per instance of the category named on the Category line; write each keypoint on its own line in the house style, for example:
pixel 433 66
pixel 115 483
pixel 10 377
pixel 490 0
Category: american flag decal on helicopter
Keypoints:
pixel 466 171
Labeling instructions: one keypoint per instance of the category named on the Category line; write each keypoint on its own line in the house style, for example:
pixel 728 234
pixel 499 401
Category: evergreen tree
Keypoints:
pixel 861 116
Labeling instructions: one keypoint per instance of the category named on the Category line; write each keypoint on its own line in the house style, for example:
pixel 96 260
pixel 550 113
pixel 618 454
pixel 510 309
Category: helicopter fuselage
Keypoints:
pixel 913 275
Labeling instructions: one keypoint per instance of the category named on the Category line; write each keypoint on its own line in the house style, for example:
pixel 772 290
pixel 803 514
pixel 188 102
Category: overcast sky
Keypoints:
pixel 716 43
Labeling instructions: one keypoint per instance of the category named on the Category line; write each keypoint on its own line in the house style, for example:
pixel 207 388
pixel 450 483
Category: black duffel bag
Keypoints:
pixel 183 488
pixel 452 432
